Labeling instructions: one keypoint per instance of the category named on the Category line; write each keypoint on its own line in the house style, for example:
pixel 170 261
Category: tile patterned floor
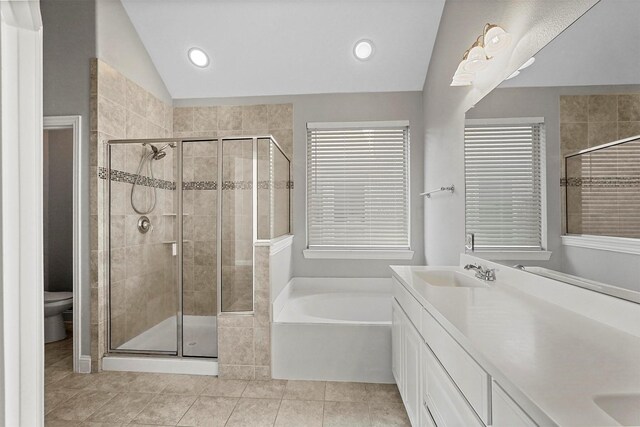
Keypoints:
pixel 125 398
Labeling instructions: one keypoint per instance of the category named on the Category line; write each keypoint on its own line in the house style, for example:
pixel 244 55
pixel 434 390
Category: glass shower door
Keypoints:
pixel 200 252
pixel 142 210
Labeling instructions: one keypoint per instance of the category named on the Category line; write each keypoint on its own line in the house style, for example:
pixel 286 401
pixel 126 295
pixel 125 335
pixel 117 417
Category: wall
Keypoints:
pixel 58 210
pixel 118 44
pixel 545 102
pixel 532 24
pixel 67 52
pixel 341 107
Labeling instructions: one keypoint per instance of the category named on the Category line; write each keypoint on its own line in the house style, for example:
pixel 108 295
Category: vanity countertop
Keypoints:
pixel 555 359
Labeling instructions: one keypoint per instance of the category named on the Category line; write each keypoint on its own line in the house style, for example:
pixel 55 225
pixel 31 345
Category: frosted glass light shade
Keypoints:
pixel 496 40
pixel 462 77
pixel 476 60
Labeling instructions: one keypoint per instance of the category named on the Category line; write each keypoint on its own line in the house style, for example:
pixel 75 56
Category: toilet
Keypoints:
pixel 54 304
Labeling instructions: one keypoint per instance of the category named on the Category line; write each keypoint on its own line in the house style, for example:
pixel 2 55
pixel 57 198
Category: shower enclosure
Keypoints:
pixel 184 216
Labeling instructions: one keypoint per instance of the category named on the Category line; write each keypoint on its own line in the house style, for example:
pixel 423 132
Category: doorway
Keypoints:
pixel 62 233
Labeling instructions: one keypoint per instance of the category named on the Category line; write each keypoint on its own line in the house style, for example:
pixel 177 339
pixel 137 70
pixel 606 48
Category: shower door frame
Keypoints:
pixel 179 237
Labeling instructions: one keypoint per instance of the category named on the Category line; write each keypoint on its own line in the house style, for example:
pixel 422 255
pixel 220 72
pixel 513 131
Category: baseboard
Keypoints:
pixel 84 365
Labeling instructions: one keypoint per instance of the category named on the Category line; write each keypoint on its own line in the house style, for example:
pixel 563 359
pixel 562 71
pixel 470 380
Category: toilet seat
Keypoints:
pixel 57 296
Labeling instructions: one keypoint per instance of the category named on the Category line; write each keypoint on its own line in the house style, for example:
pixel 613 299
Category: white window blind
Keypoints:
pixel 358 185
pixel 503 185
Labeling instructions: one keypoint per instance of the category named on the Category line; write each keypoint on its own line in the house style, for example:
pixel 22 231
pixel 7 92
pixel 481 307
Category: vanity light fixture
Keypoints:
pixel 491 42
pixel 198 57
pixel 363 49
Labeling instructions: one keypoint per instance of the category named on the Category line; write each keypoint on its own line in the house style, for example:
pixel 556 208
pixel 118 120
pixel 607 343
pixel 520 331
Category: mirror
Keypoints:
pixel 552 158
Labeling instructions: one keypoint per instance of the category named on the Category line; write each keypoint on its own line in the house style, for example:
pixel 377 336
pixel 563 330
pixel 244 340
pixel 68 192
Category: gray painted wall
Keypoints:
pixel 58 212
pixel 69 43
pixel 344 107
pixel 609 267
pixel 118 44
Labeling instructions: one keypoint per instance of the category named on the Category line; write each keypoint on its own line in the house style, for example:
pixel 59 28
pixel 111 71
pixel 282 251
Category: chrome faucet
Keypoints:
pixel 488 274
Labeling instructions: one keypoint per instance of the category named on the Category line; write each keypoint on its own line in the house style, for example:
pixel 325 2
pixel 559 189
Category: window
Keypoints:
pixel 503 178
pixel 358 186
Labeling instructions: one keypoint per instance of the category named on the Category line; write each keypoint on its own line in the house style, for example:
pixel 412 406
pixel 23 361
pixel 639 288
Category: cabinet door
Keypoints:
pixel 411 352
pixel 506 412
pixel 396 345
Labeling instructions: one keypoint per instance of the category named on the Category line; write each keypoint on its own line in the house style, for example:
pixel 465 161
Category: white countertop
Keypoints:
pixel 556 359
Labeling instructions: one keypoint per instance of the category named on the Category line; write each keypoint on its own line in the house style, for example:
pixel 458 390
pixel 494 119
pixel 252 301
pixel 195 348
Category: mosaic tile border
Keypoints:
pixel 130 178
pixel 613 182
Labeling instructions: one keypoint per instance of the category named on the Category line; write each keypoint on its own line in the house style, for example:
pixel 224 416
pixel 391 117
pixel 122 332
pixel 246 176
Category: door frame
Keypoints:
pixel 80 364
pixel 21 274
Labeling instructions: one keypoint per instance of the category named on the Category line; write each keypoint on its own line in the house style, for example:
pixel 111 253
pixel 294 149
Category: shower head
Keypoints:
pixel 158 153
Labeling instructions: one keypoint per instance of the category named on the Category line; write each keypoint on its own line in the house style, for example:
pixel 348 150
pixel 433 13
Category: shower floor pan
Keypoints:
pixel 199 337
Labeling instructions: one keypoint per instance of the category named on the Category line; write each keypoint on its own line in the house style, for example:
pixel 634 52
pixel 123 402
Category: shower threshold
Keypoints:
pixel 199 336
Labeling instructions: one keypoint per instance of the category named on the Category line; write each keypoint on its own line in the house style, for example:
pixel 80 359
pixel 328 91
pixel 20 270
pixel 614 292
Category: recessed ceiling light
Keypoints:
pixel 528 63
pixel 363 49
pixel 198 57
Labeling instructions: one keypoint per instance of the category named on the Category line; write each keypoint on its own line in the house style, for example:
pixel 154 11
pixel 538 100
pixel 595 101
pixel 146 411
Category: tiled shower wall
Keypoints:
pixel 122 109
pixel 597 197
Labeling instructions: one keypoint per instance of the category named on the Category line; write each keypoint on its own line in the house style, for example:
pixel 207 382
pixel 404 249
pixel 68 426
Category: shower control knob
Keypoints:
pixel 144 224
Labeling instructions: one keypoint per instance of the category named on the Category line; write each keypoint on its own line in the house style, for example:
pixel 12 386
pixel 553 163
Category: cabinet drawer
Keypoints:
pixel 445 402
pixel 470 378
pixel 506 412
pixel 409 304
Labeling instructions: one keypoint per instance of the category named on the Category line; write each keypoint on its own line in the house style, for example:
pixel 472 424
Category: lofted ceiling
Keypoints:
pixel 600 48
pixel 284 47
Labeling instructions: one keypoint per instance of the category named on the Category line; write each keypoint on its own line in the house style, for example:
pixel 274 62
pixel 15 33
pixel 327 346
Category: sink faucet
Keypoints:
pixel 488 274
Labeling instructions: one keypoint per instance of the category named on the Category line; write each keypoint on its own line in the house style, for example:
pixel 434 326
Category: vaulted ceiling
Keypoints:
pixel 283 47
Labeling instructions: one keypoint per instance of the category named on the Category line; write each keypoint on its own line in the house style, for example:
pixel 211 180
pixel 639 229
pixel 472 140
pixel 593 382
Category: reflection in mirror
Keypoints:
pixel 586 98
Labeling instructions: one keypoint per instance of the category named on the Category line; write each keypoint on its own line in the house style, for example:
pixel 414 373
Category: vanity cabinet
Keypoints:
pixel 407 343
pixel 440 383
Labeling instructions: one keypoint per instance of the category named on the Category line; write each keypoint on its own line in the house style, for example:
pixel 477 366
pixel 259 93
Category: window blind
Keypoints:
pixel 358 186
pixel 503 185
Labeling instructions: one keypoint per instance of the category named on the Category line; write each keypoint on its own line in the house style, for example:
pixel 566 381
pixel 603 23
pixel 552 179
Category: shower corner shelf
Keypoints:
pixel 174 214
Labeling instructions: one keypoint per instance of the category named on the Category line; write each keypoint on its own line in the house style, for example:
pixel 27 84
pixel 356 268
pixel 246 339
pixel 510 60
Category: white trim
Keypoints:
pixel 506 121
pixel 346 125
pixel 75 123
pixel 168 365
pixel 357 254
pixel 280 243
pixel 512 255
pixel 604 243
pixel 22 305
pixel 84 365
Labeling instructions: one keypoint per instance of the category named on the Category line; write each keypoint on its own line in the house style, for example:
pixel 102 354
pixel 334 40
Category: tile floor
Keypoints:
pixel 125 398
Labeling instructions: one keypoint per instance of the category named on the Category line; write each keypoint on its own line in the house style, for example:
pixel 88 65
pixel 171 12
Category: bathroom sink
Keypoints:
pixel 450 278
pixel 624 408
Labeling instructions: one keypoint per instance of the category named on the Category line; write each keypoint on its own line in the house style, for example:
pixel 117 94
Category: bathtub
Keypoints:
pixel 336 329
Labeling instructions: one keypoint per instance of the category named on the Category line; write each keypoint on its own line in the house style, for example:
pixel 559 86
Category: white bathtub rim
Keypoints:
pixel 305 286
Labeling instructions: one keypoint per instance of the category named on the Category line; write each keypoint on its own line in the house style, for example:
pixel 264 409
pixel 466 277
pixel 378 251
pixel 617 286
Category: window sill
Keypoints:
pixel 357 254
pixel 604 243
pixel 513 255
